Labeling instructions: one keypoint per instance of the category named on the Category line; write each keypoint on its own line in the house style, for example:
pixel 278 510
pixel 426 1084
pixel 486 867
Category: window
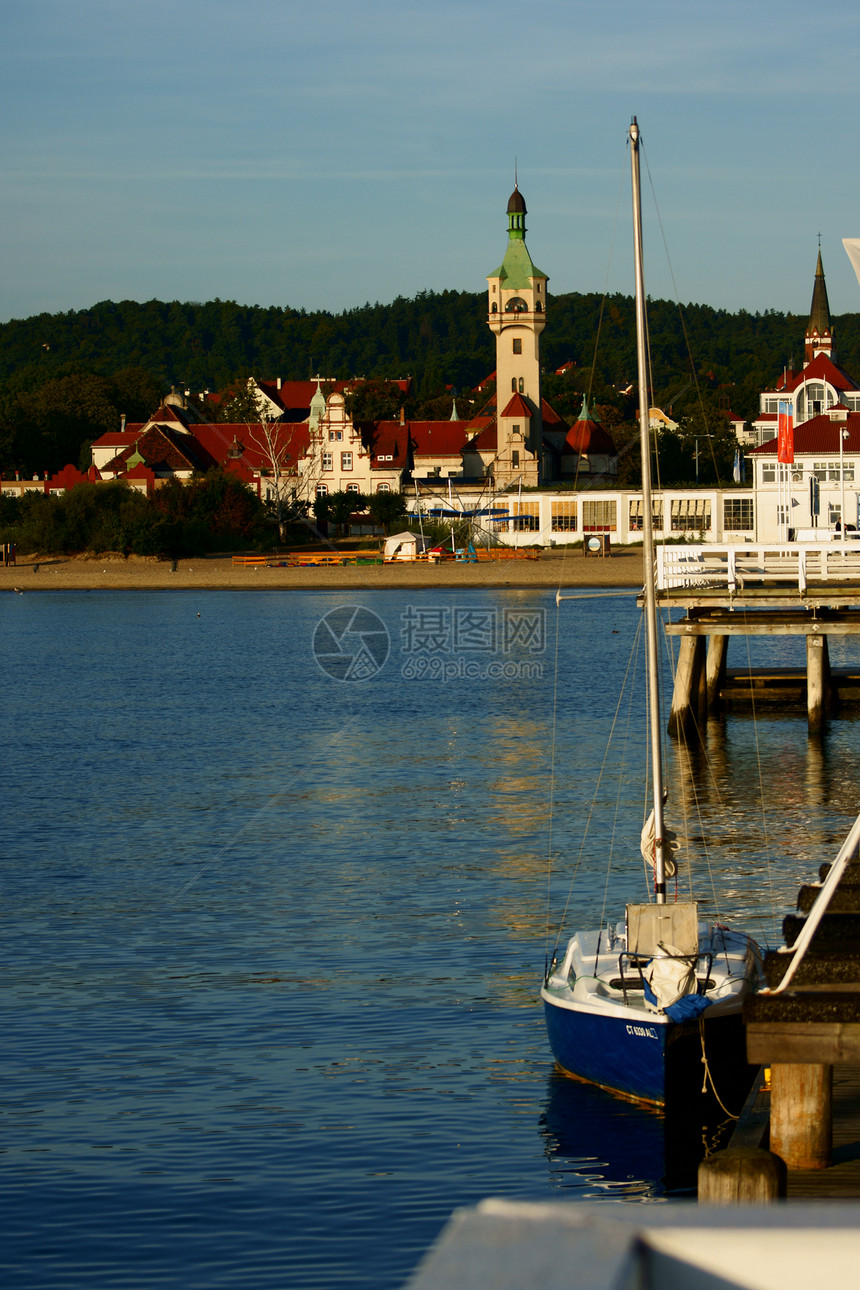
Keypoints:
pixel 327 461
pixel 352 488
pixel 691 514
pixel 522 386
pixel 827 470
pixel 513 385
pixel 738 515
pixel 495 306
pixel 768 472
pixel 516 306
pixel 518 346
pixel 322 490
pixel 538 308
pixel 635 519
pixel 515 458
pixel 563 517
pixel 346 461
pixel 383 488
pixel 526 517
pixel 335 435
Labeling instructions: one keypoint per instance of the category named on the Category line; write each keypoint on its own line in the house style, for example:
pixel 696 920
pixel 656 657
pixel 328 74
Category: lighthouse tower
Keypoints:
pixel 517 316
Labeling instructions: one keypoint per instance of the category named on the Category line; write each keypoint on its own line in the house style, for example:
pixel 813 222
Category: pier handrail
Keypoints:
pixel 819 908
pixel 732 565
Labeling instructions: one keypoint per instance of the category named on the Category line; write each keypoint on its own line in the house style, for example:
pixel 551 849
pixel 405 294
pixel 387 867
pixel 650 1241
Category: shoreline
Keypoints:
pixel 218 573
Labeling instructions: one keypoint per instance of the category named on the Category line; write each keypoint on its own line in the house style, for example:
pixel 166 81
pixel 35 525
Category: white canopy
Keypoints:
pixel 404 544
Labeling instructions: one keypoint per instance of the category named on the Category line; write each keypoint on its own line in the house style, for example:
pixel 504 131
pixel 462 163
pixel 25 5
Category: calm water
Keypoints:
pixel 272 940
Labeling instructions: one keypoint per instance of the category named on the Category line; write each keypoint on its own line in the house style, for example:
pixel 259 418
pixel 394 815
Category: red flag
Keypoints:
pixel 785 434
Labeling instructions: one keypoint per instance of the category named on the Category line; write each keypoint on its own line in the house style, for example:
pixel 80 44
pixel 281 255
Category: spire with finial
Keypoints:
pixel 819 334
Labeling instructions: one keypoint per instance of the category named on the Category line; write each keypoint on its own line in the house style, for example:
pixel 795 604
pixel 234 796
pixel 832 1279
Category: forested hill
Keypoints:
pixel 438 338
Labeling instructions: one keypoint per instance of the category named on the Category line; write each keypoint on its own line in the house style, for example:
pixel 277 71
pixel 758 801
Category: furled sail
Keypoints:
pixel 852 247
pixel 648 844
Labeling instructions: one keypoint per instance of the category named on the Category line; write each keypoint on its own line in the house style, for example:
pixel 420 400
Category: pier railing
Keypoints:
pixel 847 853
pixel 737 566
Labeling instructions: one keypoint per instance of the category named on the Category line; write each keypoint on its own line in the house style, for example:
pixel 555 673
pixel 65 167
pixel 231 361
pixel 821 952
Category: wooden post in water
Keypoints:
pixel 817 683
pixel 741 1176
pixel 801 1114
pixel 685 697
pixel 715 669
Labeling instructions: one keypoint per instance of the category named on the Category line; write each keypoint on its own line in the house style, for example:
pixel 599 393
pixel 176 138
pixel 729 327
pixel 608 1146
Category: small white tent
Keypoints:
pixel 404 546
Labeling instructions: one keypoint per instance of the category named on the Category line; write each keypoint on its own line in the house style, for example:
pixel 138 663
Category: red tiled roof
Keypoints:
pixel 438 438
pixel 821 368
pixel 517 407
pixel 487 439
pixel 118 438
pixel 589 436
pixel 550 416
pixel 290 438
pixel 819 435
pixel 386 439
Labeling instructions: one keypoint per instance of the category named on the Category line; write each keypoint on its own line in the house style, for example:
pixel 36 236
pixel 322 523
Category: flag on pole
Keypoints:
pixel 785 434
pixel 736 473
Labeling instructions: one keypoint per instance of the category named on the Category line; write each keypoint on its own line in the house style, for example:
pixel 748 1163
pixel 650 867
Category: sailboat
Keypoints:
pixel 639 1006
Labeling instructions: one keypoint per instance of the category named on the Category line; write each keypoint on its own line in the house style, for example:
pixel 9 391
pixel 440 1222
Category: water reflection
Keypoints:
pixel 600 1143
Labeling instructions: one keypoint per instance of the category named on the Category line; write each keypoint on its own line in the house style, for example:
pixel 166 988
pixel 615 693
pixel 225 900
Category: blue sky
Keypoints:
pixel 328 154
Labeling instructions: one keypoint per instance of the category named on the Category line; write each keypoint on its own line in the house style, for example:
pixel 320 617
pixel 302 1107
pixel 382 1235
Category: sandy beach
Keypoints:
pixel 112 573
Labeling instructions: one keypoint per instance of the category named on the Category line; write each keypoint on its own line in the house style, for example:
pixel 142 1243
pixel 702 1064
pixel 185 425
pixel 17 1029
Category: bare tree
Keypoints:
pixel 281 446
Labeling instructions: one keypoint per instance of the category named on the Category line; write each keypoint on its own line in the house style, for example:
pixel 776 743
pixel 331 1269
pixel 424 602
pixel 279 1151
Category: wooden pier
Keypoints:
pixel 799 1134
pixel 767 592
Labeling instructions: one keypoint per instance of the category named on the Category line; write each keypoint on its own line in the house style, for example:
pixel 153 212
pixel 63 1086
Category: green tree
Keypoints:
pixel 343 504
pixel 386 509
pixel 374 400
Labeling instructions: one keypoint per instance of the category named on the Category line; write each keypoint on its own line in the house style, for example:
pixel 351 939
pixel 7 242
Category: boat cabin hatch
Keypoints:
pixel 655 928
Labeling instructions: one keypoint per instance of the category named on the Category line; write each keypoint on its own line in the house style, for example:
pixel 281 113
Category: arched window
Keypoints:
pixel 495 307
pixel 522 386
pixel 516 306
pixel 322 490
pixel 383 488
pixel 513 385
pixel 538 308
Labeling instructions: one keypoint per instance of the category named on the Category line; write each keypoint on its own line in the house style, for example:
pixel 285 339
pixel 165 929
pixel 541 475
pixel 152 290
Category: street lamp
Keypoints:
pixel 843 435
pixel 697 437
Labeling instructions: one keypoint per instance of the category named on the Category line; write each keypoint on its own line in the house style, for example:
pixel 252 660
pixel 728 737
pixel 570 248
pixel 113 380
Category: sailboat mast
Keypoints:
pixel 648 527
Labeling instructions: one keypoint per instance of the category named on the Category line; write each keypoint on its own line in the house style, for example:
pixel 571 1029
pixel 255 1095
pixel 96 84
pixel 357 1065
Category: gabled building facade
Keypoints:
pixel 820 384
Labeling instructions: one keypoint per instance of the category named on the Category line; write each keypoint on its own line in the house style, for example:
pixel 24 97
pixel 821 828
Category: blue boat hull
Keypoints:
pixel 644 1059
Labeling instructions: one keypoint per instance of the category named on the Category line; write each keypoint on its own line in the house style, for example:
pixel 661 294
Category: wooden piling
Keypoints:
pixel 801 1114
pixel 741 1176
pixel 817 683
pixel 715 669
pixel 688 675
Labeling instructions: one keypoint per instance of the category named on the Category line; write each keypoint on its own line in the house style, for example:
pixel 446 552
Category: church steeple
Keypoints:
pixel 819 334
